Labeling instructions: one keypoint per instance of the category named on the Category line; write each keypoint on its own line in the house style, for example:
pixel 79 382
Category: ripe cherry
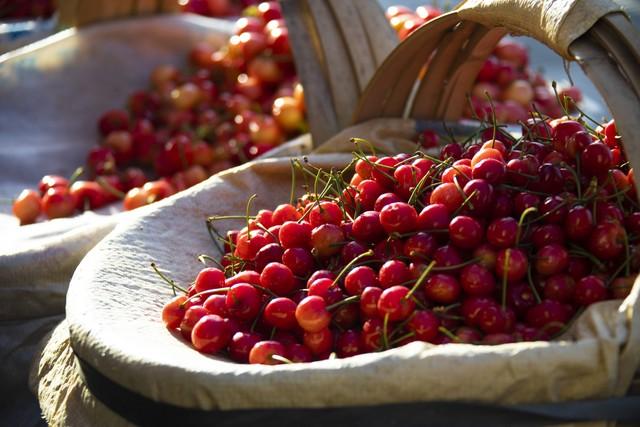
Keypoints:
pixel 173 312
pixel 477 280
pixel 392 273
pixel 424 324
pixel 442 288
pixel 511 263
pixel 280 313
pixel 589 289
pixel 312 315
pixel 278 278
pixel 243 301
pixel 551 259
pixel 395 303
pixel 210 334
pixel 27 206
pixel 399 218
pixel 263 352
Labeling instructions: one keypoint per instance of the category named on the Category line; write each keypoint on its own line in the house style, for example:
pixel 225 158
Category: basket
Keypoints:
pixel 128 368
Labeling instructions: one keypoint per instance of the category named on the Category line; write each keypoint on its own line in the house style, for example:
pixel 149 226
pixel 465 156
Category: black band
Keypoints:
pixel 143 411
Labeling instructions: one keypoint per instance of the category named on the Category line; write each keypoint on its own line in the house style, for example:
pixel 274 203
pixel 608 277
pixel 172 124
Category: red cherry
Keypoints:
pixel 27 206
pixel 420 246
pixel 393 273
pixel 210 334
pixel 520 297
pixel 394 303
pixel 596 159
pixel 299 260
pixel 547 234
pixel 325 213
pixel 480 194
pixel 559 288
pixel 367 227
pixel 607 240
pixel 217 304
pixel 465 232
pixel 283 213
pixel 360 278
pixel 173 312
pixel 243 301
pixel 263 352
pixel 295 235
pixel 58 202
pixel 191 317
pixel 298 353
pixel 278 278
pixel 433 217
pixel 502 232
pixel 383 170
pixel 578 223
pixel 312 315
pixel 349 343
pixel 551 259
pixel 442 288
pixel 241 344
pixel 550 315
pixel 326 239
pixel 448 195
pixel 477 280
pixel 589 290
pixel 319 343
pixel 272 252
pixel 372 334
pixel 280 313
pixel 369 301
pixel 515 268
pixel 398 218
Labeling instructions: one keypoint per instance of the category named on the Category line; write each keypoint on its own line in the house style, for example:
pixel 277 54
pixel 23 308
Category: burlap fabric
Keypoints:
pixel 115 299
pixel 556 23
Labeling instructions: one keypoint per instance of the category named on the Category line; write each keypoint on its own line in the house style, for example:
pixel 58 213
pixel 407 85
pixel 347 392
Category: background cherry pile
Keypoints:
pixel 495 240
pixel 236 103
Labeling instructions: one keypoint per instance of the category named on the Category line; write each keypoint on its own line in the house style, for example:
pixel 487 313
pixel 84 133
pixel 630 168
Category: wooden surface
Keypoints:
pixel 337 48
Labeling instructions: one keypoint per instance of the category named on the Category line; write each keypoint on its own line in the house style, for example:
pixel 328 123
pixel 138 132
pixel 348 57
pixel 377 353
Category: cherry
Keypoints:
pixel 480 194
pixel 596 159
pixel 607 240
pixel 589 290
pixel 27 206
pixel 578 223
pixel 283 213
pixel 246 276
pixel 326 239
pixel 547 234
pixel 52 181
pixel 477 280
pixel 349 343
pixel 399 218
pixel 490 169
pixel 113 120
pixel 367 227
pixel 319 342
pixel 360 278
pixel 393 273
pixel 173 312
pixel 278 278
pixel 524 201
pixel 494 320
pixel 325 213
pixel 368 192
pixel 512 264
pixel 351 250
pixel 396 303
pixel 386 199
pixel 248 244
pixel 424 324
pixel 58 202
pixel 520 297
pixel 460 174
pixel 217 304
pixel 298 353
pixel 320 274
pixel 326 289
pixel 550 315
pixel 465 232
pixel 372 334
pixel 243 301
pixel 433 217
pixel 280 313
pixel 191 316
pixel 448 195
pixel 486 255
pixel 299 260
pixel 502 232
pixel 549 179
pixel 346 316
pixel 554 209
pixel 369 301
pixel 364 167
pixel 447 256
pixel 559 288
pixel 241 344
pixel 621 287
pixel 419 246
pixel 472 306
pixel 406 177
pixel 209 278
pixel 272 252
pixel 312 315
pixel 451 151
pixel 442 288
pixel 383 170
pixel 295 235
pixel 562 132
pixel 263 351
pixel 210 334
pixel 551 259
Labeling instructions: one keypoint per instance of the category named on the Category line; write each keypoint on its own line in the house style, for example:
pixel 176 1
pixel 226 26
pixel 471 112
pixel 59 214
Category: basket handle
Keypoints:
pixel 555 23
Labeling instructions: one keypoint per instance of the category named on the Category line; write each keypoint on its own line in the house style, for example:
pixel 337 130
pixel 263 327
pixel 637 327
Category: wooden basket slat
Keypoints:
pixel 382 85
pixel 609 37
pixel 477 50
pixel 382 38
pixel 439 71
pixel 355 40
pixel 342 81
pixel 320 110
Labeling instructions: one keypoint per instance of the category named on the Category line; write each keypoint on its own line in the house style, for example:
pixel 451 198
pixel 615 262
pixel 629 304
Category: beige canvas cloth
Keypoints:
pixel 556 23
pixel 115 299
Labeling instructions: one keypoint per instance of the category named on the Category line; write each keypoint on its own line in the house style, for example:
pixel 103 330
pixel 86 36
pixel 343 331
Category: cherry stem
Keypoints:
pixel 357 142
pixel 350 264
pixel 222 217
pixel 75 175
pixel 466 201
pixel 204 257
pixel 109 188
pixel 577 250
pixel 385 337
pixel 505 269
pixel 212 230
pixel 456 266
pixel 524 213
pixel 448 333
pixel 293 182
pixel 401 338
pixel 532 285
pixel 246 214
pixel 347 300
pixel 171 283
pixel 205 292
pixel 421 279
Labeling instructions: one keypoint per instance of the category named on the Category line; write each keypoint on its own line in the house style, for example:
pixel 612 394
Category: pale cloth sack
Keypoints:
pixel 596 358
pixel 51 95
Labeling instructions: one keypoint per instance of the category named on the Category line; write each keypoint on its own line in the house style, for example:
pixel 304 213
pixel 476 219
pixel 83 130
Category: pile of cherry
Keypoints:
pixel 496 240
pixel 505 79
pixel 237 102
